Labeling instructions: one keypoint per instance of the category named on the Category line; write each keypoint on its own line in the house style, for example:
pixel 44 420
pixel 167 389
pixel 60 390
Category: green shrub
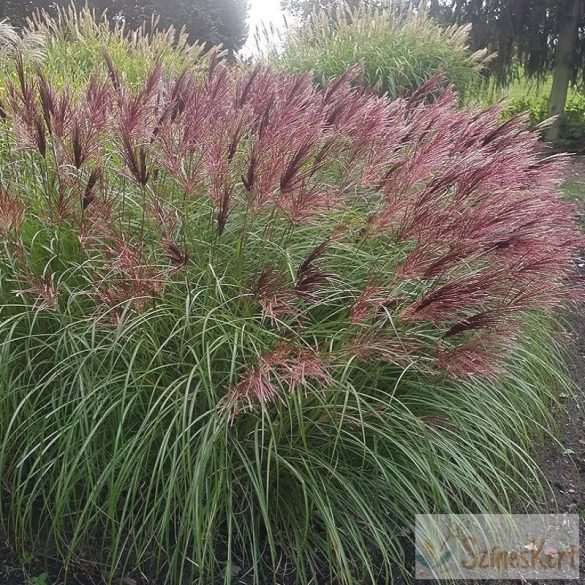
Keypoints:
pixel 248 327
pixel 398 53
pixel 572 133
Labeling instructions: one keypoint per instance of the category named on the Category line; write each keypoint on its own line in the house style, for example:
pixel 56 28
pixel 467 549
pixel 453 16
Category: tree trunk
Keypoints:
pixel 563 66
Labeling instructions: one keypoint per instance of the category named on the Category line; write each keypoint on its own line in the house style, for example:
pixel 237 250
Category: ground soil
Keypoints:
pixel 563 464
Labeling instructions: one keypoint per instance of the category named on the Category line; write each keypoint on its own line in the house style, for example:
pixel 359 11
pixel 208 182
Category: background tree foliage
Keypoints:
pixel 523 32
pixel 539 36
pixel 209 21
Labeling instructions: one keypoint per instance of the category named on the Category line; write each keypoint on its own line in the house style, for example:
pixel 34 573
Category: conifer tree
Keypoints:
pixel 540 36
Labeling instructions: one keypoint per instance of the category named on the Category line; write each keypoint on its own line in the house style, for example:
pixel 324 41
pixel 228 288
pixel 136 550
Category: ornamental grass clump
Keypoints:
pixel 248 327
pixel 70 41
pixel 398 49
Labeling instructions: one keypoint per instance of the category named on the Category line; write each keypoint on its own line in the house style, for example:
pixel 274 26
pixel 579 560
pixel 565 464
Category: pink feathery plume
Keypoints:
pixel 287 369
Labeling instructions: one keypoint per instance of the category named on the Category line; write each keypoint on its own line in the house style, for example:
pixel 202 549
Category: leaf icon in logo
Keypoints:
pixel 434 556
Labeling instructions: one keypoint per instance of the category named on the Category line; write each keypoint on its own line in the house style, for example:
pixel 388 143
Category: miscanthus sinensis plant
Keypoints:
pixel 398 49
pixel 70 41
pixel 31 43
pixel 249 327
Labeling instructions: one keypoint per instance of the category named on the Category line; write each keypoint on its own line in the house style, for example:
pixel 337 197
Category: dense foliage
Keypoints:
pixel 212 22
pixel 254 349
pixel 572 129
pixel 543 37
pixel 397 53
pixel 523 33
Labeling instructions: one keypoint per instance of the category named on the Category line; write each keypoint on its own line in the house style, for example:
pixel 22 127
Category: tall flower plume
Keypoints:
pixel 452 222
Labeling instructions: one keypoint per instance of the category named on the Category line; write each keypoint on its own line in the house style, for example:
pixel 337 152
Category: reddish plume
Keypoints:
pixel 452 219
pixel 287 369
pixel 12 213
